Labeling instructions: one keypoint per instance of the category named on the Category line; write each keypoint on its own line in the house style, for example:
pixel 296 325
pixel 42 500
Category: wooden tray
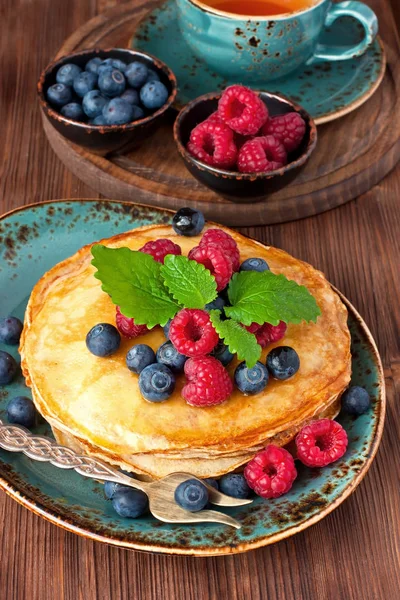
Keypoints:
pixel 353 154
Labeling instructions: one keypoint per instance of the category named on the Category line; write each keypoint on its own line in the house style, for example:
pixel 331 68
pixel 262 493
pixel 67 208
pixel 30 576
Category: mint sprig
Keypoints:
pixel 189 282
pixel 268 298
pixel 134 282
pixel 237 338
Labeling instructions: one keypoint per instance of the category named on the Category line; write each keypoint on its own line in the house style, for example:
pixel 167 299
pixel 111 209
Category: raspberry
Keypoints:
pixel 261 154
pixel 160 248
pixel 271 472
pixel 289 129
pixel 267 333
pixel 321 443
pixel 242 109
pixel 192 333
pixel 226 242
pixel 216 261
pixel 208 382
pixel 212 143
pixel 214 117
pixel 126 326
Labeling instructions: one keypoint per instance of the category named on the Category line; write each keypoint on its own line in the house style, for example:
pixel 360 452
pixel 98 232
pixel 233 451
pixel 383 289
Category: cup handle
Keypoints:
pixel 364 15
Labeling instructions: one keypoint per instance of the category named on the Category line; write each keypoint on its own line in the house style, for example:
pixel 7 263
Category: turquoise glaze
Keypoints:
pixel 323 89
pixel 31 241
pixel 259 49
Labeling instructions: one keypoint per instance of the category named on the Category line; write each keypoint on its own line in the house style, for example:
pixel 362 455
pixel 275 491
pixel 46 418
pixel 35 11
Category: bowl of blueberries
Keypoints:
pixel 106 100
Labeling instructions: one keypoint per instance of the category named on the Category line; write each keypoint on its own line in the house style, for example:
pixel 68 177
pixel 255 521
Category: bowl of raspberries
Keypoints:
pixel 106 100
pixel 244 144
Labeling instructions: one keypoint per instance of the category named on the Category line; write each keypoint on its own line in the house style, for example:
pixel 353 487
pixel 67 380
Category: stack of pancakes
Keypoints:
pixel 94 404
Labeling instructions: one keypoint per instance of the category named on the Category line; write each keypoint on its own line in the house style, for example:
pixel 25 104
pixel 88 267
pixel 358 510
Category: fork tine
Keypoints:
pixel 204 516
pixel 217 517
pixel 220 499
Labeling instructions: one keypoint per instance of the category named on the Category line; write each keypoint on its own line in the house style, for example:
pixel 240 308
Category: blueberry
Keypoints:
pixel 188 221
pixel 118 111
pixel 119 64
pixel 107 62
pixel 130 503
pixel 254 264
pixel 153 95
pixel 131 96
pixel 8 368
pixel 152 76
pixel 67 73
pixel 213 482
pixel 169 356
pixel 235 485
pixel 103 339
pixel 110 487
pixel 136 74
pixel 10 330
pixel 156 382
pixel 166 328
pixel 138 113
pixel 139 357
pixel 84 83
pixel 59 94
pixel 251 381
pixel 93 103
pixel 93 65
pixel 191 495
pixel 100 120
pixel 22 411
pixel 356 400
pixel 217 304
pixel 221 352
pixel 283 362
pixel 73 110
pixel 111 82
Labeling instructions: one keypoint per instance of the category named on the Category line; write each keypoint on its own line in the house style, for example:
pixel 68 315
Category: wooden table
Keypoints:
pixel 352 554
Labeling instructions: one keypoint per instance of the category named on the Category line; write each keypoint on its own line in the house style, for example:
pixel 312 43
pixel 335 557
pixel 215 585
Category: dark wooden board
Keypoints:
pixel 352 155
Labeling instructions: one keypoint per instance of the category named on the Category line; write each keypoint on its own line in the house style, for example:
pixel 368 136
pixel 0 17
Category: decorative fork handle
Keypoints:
pixel 16 438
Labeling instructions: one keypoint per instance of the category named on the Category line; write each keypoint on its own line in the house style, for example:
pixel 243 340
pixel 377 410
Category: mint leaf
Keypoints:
pixel 189 282
pixel 134 282
pixel 269 298
pixel 239 341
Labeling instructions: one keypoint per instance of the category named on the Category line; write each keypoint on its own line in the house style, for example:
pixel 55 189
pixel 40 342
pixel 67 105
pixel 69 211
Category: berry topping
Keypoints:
pixel 283 362
pixel 136 74
pixel 208 382
pixel 192 333
pixel 119 111
pixel 110 487
pixel 93 65
pixel 188 221
pixel 156 383
pixel 267 334
pixel 356 400
pixel 84 82
pixel 251 381
pixel 211 481
pixel 73 110
pixel 59 94
pixel 10 330
pixel 235 485
pixel 271 472
pixel 131 96
pixel 111 82
pixel 262 154
pixel 103 340
pixel 212 143
pixel 289 129
pixel 130 503
pixel 191 495
pixel 215 260
pixel 221 352
pixel 321 443
pixel 160 248
pixel 8 368
pixel 242 109
pixel 169 356
pixel 166 328
pixel 139 357
pixel 153 95
pixel 21 410
pixel 67 73
pixel 226 242
pixel 126 326
pixel 254 264
pixel 93 103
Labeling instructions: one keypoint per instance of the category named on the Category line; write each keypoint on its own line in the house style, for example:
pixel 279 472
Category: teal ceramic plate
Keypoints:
pixel 327 90
pixel 32 240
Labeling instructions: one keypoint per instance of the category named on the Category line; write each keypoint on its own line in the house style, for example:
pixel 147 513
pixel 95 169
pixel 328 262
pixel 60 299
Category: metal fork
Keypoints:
pixel 16 438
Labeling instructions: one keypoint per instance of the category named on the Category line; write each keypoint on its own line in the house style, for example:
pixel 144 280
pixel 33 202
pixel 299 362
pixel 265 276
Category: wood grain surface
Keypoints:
pixel 352 554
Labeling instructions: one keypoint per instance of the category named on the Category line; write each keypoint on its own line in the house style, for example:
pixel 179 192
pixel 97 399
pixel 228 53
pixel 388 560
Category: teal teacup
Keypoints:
pixel 257 49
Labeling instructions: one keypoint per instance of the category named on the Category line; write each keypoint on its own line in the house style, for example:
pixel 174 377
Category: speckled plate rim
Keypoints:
pixel 324 118
pixel 53 517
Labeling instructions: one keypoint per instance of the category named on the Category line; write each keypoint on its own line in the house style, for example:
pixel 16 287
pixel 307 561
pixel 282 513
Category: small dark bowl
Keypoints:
pixel 236 186
pixel 103 139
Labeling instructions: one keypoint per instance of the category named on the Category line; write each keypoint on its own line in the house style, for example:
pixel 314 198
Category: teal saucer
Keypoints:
pixel 32 240
pixel 327 90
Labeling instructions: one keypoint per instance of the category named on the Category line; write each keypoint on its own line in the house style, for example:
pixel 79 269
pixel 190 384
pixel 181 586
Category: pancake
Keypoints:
pixel 94 404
